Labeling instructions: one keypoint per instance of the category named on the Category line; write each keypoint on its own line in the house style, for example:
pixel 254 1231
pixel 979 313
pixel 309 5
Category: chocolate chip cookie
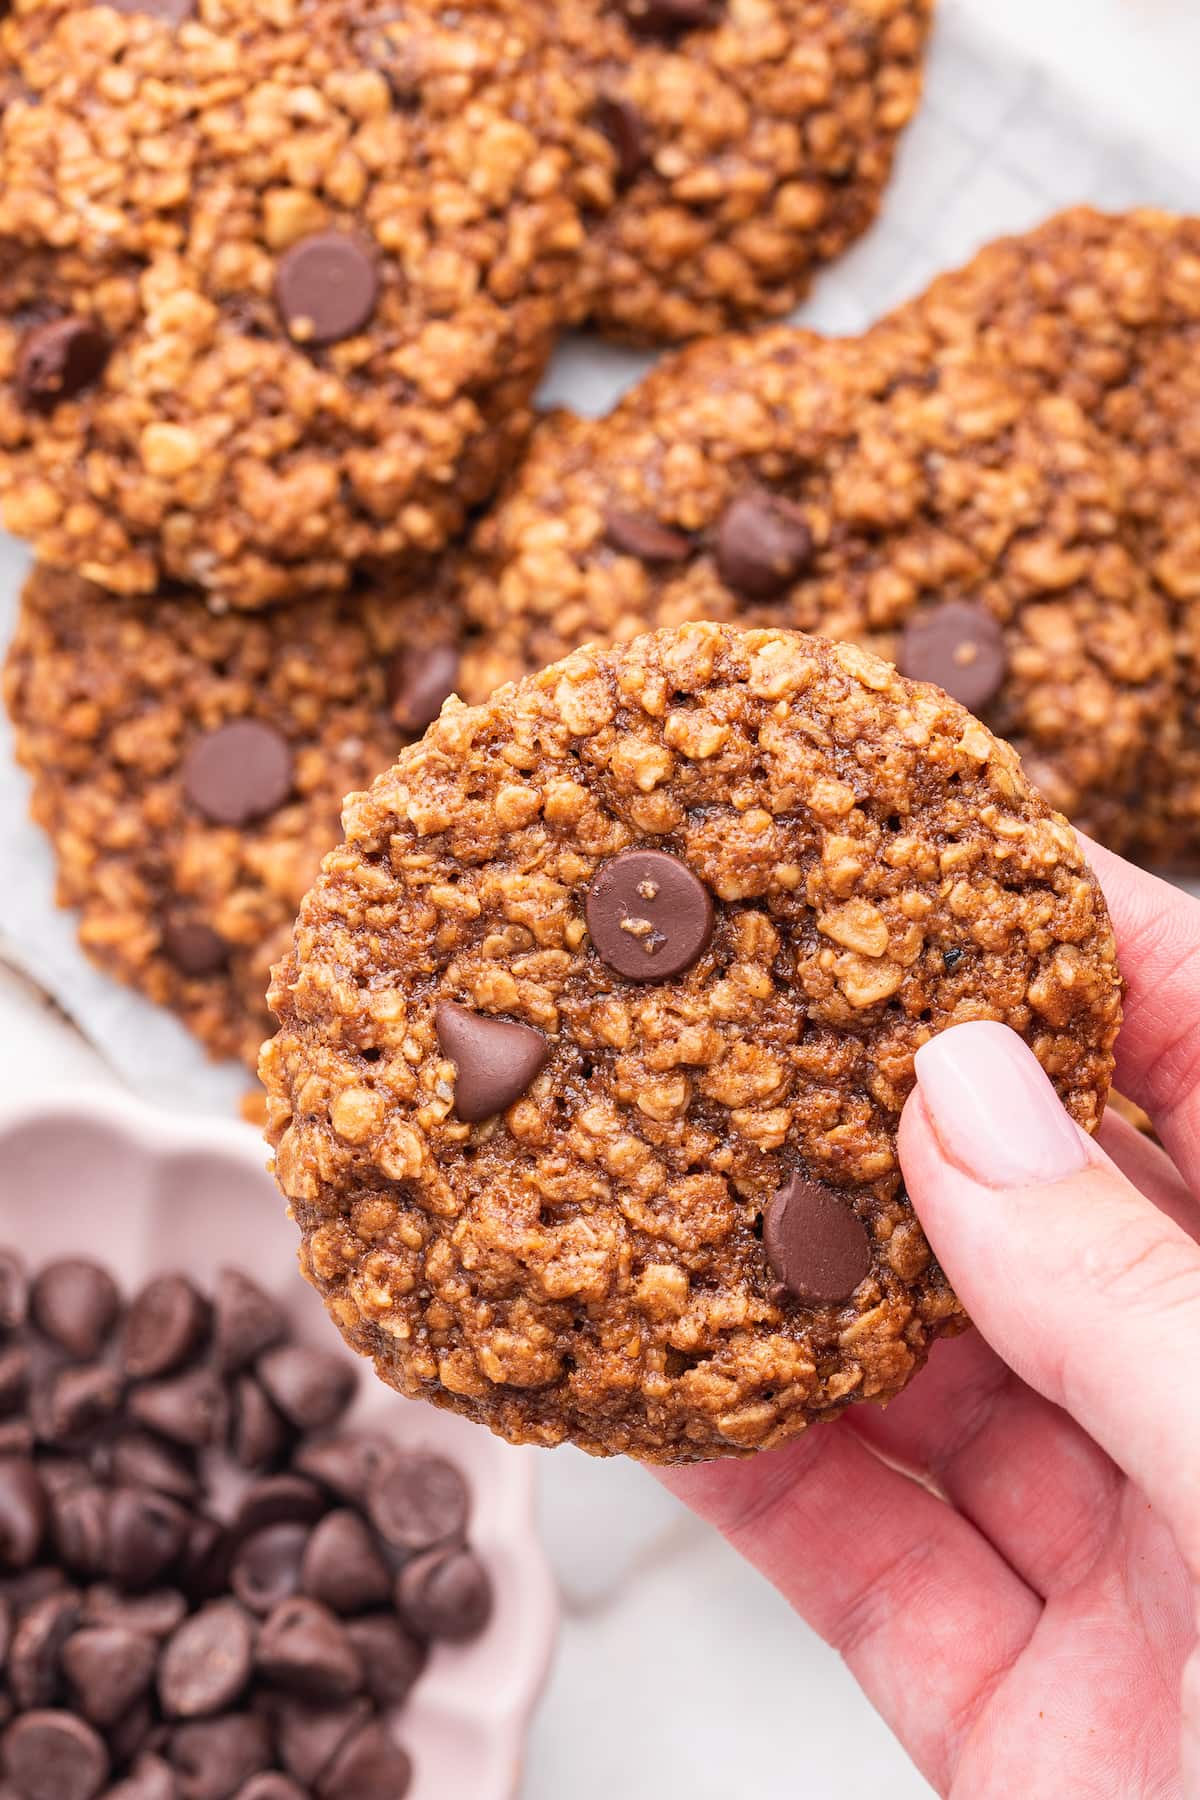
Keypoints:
pixel 1105 311
pixel 595 1034
pixel 933 508
pixel 189 769
pixel 276 283
pixel 753 142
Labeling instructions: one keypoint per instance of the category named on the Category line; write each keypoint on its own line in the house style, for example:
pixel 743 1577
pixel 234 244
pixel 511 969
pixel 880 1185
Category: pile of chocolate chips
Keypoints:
pixel 208 1591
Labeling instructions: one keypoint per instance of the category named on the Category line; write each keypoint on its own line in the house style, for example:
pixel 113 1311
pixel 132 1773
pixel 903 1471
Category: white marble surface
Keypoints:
pixel 679 1671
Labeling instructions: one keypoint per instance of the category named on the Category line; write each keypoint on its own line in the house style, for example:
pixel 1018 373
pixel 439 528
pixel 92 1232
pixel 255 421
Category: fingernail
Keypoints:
pixel 993 1110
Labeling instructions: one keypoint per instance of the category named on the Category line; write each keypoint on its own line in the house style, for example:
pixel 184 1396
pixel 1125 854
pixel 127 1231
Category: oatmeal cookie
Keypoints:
pixel 754 139
pixel 595 1034
pixel 276 283
pixel 931 509
pixel 189 770
pixel 1105 310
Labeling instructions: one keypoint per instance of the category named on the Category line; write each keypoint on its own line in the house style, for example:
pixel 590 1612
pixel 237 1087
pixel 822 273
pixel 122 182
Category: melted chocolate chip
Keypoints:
pixel 764 544
pixel 640 535
pixel 622 124
pixel 195 948
pixel 495 1060
pixel 957 646
pixel 238 773
pixel 327 288
pixel 649 917
pixel 59 360
pixel 418 682
pixel 815 1243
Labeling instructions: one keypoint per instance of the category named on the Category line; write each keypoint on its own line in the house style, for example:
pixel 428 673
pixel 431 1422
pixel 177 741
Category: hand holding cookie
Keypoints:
pixel 1061 1579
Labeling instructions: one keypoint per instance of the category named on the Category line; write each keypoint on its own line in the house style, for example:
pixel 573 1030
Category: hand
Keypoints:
pixel 1030 1634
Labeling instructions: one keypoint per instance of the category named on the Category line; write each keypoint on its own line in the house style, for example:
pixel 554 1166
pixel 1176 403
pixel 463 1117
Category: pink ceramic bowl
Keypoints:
pixel 143 1190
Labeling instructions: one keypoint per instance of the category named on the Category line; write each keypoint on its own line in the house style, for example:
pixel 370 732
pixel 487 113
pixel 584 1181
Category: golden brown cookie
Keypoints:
pixel 189 769
pixel 931 508
pixel 277 282
pixel 754 141
pixel 1104 310
pixel 595 1034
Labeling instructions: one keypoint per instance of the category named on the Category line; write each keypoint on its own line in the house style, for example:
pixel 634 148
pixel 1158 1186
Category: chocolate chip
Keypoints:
pixel 326 288
pixel 649 917
pixel 163 1327
pixel 74 1302
pixel 304 1649
pixel 311 1388
pixel 419 1501
pixel 445 1594
pixel 16 1438
pixel 266 1569
pixel 55 1756
pixel 206 1663
pixel 495 1060
pixel 310 1736
pixel 139 1460
pixel 146 1534
pixel 14 1378
pixel 370 1765
pixel 109 1668
pixel 257 1433
pixel 58 360
pixel 206 1558
pixel 155 1615
pixel 195 948
pixel 342 1567
pixel 246 1321
pixel 213 1758
pixel 764 544
pixel 31 1585
pixel 950 960
pixel 418 682
pixel 622 124
pixel 278 1500
pixel 35 1660
pixel 957 646
pixel 188 1409
pixel 14 1291
pixel 815 1243
pixel 391 1657
pixel 79 1527
pixel 640 535
pixel 137 1730
pixel 271 1786
pixel 666 18
pixel 149 1779
pixel 22 1512
pixel 76 1401
pixel 238 773
pixel 171 12
pixel 346 1464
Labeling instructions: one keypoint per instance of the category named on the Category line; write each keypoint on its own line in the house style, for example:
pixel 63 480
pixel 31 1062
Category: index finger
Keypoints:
pixel 1158 1053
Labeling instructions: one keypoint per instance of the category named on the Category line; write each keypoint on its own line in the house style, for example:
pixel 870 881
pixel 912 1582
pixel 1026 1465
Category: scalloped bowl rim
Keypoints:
pixel 467 1722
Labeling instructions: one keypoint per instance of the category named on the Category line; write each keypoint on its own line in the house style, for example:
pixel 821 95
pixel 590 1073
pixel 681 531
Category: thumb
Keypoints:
pixel 1082 1286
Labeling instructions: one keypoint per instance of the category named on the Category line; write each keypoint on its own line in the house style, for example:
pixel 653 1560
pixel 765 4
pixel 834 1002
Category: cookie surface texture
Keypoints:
pixel 189 769
pixel 682 1234
pixel 754 140
pixel 277 282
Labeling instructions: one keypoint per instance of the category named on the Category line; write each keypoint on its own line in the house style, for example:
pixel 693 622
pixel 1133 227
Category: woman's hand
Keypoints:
pixel 1032 1637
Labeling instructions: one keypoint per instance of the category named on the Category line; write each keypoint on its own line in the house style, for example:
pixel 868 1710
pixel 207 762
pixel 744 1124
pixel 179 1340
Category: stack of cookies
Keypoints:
pixel 596 1031
pixel 277 285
